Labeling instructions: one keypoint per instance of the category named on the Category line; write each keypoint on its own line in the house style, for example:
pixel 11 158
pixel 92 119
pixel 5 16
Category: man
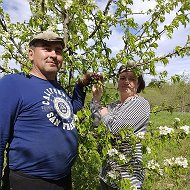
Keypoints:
pixel 37 120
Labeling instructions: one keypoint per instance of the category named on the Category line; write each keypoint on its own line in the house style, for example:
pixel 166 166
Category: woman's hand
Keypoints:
pixel 97 91
pixel 103 111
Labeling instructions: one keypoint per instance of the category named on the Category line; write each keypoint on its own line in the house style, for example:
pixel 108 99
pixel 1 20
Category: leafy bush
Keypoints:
pixel 165 158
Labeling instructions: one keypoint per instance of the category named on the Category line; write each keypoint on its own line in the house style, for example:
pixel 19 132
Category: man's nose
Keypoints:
pixel 53 53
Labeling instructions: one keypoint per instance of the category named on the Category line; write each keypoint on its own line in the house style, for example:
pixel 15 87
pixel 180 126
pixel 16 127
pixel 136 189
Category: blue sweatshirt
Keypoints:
pixel 37 119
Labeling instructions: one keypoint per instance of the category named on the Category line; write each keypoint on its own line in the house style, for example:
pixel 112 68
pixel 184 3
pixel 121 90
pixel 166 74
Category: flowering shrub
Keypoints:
pixel 161 140
pixel 179 161
pixel 95 147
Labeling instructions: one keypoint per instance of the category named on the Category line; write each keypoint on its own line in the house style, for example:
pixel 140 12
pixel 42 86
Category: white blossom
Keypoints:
pixel 76 118
pixel 177 119
pixel 161 172
pixel 152 164
pixel 68 4
pixel 123 2
pixel 185 128
pixel 7 34
pixel 112 152
pixel 122 157
pixel 148 150
pixel 164 130
pixel 110 14
pixel 112 174
pixel 141 135
pixel 133 187
pixel 169 162
pixel 181 161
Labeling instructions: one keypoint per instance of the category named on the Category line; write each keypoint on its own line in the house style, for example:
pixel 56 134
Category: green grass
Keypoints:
pixel 171 149
pixel 167 118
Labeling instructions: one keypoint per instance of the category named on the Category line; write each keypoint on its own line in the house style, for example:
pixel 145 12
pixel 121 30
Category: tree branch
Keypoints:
pixel 157 59
pixel 2 69
pixel 97 26
pixel 43 14
pixel 2 23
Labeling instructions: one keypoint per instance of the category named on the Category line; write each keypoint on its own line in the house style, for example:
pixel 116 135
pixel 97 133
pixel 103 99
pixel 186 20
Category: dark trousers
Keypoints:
pixel 104 186
pixel 5 179
pixel 20 181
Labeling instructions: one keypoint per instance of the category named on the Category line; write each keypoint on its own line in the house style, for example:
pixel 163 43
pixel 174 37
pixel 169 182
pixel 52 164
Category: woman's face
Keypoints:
pixel 127 83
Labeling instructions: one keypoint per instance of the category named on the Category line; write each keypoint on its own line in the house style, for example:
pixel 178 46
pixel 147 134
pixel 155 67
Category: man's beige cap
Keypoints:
pixel 49 36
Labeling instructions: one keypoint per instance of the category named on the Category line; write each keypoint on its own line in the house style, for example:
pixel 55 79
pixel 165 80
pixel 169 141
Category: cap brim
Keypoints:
pixel 32 42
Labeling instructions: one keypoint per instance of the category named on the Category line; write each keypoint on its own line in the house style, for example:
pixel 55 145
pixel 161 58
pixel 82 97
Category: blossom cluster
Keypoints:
pixel 164 130
pixel 179 161
pixel 68 4
pixel 114 152
pixel 153 165
pixel 112 174
pixel 185 128
pixel 141 135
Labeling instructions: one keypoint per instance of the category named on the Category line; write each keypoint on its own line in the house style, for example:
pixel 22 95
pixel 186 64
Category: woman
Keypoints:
pixel 131 111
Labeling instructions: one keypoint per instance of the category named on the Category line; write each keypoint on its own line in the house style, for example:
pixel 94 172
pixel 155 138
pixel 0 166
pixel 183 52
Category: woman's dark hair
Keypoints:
pixel 141 82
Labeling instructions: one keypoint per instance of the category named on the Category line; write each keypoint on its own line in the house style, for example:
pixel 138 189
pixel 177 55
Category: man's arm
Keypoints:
pixel 79 90
pixel 78 98
pixel 8 109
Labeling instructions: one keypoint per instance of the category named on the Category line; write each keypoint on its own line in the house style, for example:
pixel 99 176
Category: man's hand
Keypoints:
pixel 90 78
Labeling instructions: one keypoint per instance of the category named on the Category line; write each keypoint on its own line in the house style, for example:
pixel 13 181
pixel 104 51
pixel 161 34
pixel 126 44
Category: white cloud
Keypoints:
pixel 18 10
pixel 115 42
pixel 179 38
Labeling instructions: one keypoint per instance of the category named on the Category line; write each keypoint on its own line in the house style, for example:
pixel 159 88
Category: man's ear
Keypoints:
pixel 31 54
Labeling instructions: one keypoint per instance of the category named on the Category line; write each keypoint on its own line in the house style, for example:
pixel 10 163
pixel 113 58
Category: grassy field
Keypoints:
pixel 167 118
pixel 171 149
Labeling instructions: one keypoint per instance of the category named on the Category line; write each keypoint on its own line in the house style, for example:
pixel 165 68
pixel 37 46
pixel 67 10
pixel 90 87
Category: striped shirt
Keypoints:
pixel 133 113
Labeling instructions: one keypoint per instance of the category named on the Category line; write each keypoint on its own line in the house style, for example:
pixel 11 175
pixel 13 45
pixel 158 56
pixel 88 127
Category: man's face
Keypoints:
pixel 47 59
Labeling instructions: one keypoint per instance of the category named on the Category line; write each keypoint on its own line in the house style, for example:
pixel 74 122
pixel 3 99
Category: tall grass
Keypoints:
pixel 172 149
pixel 167 118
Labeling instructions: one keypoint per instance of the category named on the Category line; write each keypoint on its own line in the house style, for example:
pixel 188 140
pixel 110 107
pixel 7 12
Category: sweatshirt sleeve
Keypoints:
pixel 94 108
pixel 8 111
pixel 78 98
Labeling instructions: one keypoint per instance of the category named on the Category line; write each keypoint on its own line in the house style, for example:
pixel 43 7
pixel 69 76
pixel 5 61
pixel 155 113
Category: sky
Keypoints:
pixel 19 12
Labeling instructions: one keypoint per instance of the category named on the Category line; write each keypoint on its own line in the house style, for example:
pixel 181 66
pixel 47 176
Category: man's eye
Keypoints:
pixel 47 49
pixel 59 51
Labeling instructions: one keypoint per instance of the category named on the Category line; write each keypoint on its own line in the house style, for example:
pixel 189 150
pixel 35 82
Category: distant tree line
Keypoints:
pixel 170 97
